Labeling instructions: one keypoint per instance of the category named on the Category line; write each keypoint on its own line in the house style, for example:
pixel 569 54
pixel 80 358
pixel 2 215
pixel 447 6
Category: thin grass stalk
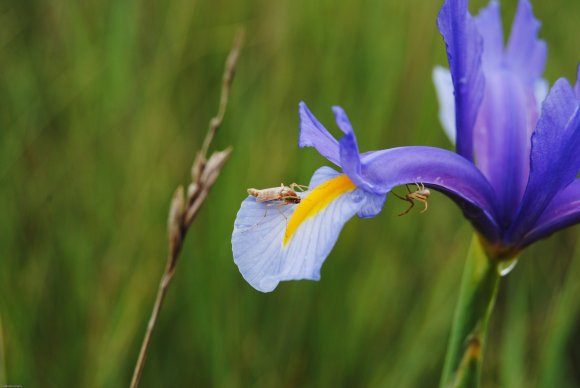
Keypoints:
pixel 185 207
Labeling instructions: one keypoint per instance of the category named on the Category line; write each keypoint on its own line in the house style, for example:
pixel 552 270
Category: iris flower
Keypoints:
pixel 514 173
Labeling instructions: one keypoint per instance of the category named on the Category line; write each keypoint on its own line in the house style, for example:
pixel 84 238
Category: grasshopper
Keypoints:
pixel 285 194
pixel 278 196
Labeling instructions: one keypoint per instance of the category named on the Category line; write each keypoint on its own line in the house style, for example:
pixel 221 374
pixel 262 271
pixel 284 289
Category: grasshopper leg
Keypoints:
pixel 295 186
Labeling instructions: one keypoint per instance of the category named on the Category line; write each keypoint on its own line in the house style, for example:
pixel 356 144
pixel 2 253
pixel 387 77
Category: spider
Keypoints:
pixel 421 195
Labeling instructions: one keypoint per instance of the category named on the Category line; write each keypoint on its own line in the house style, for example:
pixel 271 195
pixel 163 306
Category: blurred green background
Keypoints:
pixel 102 106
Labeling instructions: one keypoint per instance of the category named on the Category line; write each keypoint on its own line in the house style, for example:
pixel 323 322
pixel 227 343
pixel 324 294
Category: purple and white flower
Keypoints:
pixel 514 174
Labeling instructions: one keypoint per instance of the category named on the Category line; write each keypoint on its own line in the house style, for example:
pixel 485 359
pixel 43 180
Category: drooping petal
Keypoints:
pixel 563 211
pixel 526 54
pixel 554 160
pixel 464 48
pixel 444 88
pixel 291 242
pixel 313 134
pixel 442 170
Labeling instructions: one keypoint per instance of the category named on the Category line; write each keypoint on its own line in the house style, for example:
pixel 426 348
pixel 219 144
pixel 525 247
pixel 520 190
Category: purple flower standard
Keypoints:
pixel 514 173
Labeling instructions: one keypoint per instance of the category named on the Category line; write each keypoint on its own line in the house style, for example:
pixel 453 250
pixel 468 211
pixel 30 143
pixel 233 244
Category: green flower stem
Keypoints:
pixel 476 300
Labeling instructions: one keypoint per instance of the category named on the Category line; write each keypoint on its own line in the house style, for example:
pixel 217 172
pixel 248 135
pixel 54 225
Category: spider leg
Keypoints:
pixel 424 201
pixel 408 189
pixel 409 208
pixel 398 196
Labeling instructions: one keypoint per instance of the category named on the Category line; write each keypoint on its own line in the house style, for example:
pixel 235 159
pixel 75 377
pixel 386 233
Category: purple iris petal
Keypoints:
pixel 502 137
pixel 489 25
pixel 378 172
pixel 349 154
pixel 563 211
pixel 345 154
pixel 351 163
pixel 342 120
pixel 464 48
pixel 496 110
pixel 513 186
pixel 508 112
pixel 525 53
pixel 440 169
pixel 555 159
pixel 313 134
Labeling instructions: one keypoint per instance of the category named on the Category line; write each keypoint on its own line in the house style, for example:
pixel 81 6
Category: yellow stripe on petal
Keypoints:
pixel 316 201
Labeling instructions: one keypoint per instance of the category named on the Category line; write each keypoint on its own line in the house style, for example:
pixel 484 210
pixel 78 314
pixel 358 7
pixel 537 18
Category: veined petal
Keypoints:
pixel 374 203
pixel 464 49
pixel 313 134
pixel 554 160
pixel 526 54
pixel 442 170
pixel 291 243
pixel 563 211
pixel 444 88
